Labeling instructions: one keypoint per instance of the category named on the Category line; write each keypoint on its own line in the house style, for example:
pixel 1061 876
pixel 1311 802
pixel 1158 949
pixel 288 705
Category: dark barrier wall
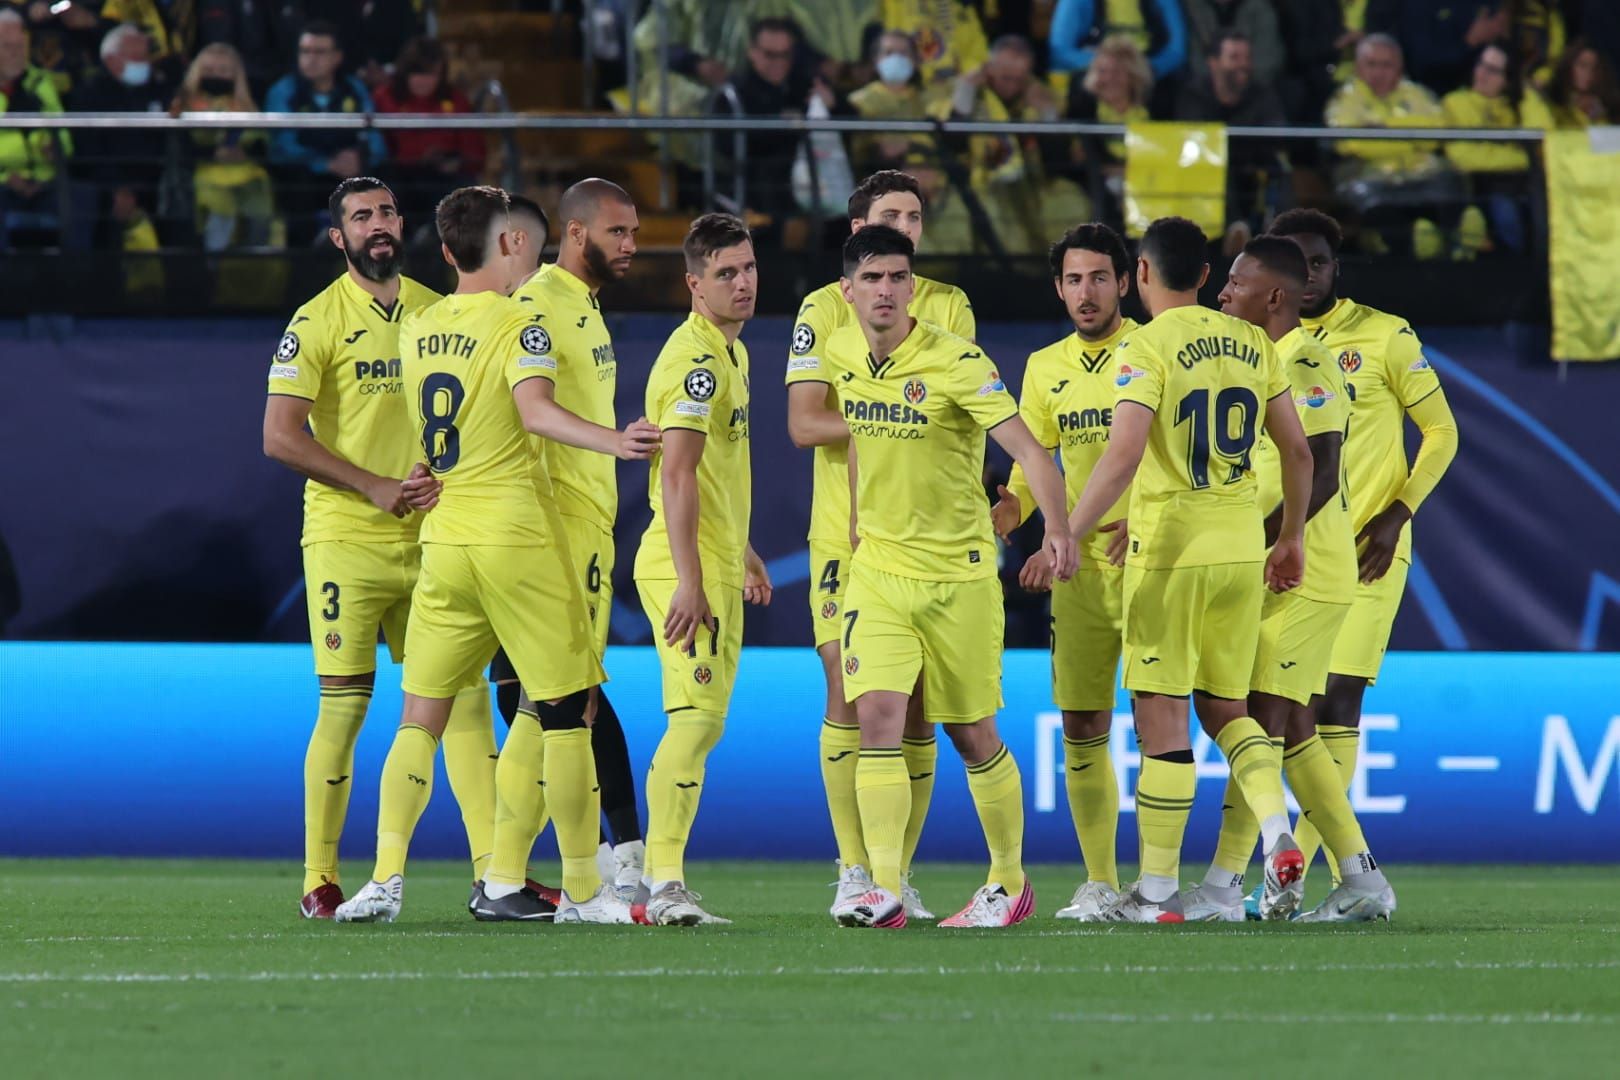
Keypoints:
pixel 138 506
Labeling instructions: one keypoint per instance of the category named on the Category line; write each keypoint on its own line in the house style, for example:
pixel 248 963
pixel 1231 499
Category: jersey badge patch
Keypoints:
pixel 916 392
pixel 1350 361
pixel 534 339
pixel 804 339
pixel 288 347
pixel 700 385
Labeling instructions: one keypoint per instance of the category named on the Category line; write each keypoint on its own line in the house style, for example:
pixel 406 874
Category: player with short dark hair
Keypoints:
pixel 894 199
pixel 924 604
pixel 578 444
pixel 695 567
pixel 336 372
pixel 1068 402
pixel 1389 379
pixel 494 555
pixel 1297 627
pixel 1194 387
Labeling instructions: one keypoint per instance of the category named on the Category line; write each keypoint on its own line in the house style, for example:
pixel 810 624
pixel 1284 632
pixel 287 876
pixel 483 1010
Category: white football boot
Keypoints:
pixel 1089 902
pixel 379 901
pixel 1133 907
pixel 603 907
pixel 853 881
pixel 991 907
pixel 628 859
pixel 1285 881
pixel 1353 903
pixel 915 908
pixel 876 907
pixel 1200 904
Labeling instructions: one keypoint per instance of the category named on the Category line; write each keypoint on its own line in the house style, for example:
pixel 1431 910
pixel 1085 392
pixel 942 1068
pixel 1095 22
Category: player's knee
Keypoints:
pixel 1087 724
pixel 564 714
pixel 1301 726
pixel 705 728
pixel 917 726
pixel 975 742
pixel 1341 706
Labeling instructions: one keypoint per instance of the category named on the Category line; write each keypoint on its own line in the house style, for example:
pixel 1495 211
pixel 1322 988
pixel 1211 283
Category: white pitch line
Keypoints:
pixel 142 978
pixel 1463 763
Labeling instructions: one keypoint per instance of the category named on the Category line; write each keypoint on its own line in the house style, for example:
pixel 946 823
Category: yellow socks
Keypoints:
pixel 328 775
pixel 1235 845
pixel 1164 798
pixel 1320 789
pixel 883 792
pixel 921 757
pixel 1088 775
pixel 674 783
pixel 520 800
pixel 469 760
pixel 840 755
pixel 576 808
pixel 1259 775
pixel 998 796
pixel 407 782
pixel 1343 745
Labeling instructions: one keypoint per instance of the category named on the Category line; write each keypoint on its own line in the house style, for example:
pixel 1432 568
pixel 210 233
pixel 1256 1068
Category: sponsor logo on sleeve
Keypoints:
pixel 804 363
pixel 1315 397
pixel 548 363
pixel 995 385
pixel 284 371
pixel 1127 375
pixel 691 408
pixel 1422 364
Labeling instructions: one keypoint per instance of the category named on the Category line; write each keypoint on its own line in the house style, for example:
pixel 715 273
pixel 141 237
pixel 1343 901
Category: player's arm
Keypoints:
pixel 1046 485
pixel 537 406
pixel 810 421
pixel 1114 471
pixel 1414 382
pixel 1285 566
pixel 287 440
pixel 689 607
pixel 1325 451
pixel 854 484
pixel 756 578
pixel 1016 500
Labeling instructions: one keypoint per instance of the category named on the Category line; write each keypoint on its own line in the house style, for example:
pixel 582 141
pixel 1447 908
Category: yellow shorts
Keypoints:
pixel 469 598
pixel 1192 628
pixel 591 550
pixel 353 590
pixel 950 631
pixel 702 678
pixel 1087 618
pixel 1296 642
pixel 829 582
pixel 1359 648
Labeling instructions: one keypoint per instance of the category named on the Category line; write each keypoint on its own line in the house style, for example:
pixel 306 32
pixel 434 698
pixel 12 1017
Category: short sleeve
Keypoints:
pixel 811 329
pixel 300 359
pixel 1140 375
pixel 1272 365
pixel 525 350
pixel 963 324
pixel 1037 416
pixel 1411 377
pixel 687 393
pixel 978 388
pixel 1322 404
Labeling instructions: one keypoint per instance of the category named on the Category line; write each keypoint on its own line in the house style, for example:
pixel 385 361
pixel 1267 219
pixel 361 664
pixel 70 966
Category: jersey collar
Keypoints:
pixel 364 299
pixel 709 336
pixel 1093 355
pixel 1331 318
pixel 568 282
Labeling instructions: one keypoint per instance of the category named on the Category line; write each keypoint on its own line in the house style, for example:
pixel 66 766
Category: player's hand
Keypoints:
pixel 639 441
pixel 1061 549
pixel 756 579
pixel 421 488
pixel 1379 538
pixel 688 611
pixel 388 496
pixel 1006 515
pixel 1036 576
pixel 1285 566
pixel 1120 542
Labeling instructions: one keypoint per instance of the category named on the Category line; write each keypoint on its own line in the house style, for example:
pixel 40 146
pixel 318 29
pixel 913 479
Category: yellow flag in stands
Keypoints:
pixel 1583 211
pixel 1175 169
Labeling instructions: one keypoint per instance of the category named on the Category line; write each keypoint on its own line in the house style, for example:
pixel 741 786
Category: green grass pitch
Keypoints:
pixel 180 969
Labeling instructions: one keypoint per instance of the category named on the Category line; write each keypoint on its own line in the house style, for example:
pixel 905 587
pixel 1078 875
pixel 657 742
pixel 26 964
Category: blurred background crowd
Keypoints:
pixel 1263 63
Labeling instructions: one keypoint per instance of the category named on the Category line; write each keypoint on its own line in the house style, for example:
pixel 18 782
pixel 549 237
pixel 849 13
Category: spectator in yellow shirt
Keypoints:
pixel 1497 171
pixel 1582 92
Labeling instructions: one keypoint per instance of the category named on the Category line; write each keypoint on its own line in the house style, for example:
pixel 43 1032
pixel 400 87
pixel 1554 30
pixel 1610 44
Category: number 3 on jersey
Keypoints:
pixel 442 395
pixel 1232 447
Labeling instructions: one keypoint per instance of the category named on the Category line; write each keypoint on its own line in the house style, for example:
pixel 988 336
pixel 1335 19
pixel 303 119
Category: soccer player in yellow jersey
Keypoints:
pixel 337 372
pixel 1194 387
pixel 577 453
pixel 894 199
pixel 1297 628
pixel 924 599
pixel 695 567
pixel 1389 379
pixel 1068 403
pixel 495 567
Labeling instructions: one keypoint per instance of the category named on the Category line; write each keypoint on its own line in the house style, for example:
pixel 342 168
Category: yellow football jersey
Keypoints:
pixel 573 334
pixel 1068 403
pixel 341 352
pixel 1323 405
pixel 1207 378
pixel 699 383
pixel 1386 374
pixel 918 421
pixel 462 357
pixel 822 312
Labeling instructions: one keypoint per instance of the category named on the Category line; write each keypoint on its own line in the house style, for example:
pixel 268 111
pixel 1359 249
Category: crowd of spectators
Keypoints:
pixel 1343 63
pixel 1339 63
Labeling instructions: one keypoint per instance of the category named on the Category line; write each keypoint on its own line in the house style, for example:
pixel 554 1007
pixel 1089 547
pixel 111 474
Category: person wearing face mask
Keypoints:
pixel 898 93
pixel 234 201
pixel 121 165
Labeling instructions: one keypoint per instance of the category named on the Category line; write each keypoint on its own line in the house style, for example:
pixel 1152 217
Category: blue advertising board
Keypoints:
pixel 175 749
